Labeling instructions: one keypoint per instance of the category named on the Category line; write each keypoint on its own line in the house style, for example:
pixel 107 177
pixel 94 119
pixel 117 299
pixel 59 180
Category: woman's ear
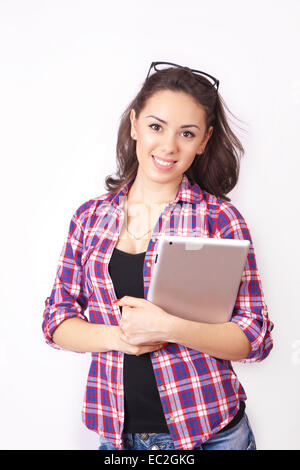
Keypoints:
pixel 205 140
pixel 133 124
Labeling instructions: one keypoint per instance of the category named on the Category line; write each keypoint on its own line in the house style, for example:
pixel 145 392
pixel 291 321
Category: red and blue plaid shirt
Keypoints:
pixel 199 393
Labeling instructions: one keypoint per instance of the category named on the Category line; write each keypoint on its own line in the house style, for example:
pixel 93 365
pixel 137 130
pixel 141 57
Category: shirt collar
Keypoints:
pixel 187 192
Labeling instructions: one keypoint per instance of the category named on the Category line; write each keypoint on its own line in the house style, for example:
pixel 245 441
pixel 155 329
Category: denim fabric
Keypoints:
pixel 240 437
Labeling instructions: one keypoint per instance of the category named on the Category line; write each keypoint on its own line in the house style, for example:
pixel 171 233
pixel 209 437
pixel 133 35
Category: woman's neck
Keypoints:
pixel 149 192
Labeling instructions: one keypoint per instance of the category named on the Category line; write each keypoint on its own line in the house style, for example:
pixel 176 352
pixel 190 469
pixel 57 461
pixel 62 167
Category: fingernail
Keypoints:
pixel 115 301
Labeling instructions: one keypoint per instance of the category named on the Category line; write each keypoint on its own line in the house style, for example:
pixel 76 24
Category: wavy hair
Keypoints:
pixel 217 169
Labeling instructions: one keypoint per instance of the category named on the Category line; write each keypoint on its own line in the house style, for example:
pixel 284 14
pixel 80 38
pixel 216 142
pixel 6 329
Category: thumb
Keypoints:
pixel 129 301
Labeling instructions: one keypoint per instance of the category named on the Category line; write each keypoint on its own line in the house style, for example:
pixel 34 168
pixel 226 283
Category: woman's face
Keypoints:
pixel 170 127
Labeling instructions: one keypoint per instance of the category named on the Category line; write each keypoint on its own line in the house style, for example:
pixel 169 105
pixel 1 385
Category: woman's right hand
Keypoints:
pixel 137 350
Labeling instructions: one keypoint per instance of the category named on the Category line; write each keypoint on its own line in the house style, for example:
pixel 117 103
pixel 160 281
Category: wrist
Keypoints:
pixel 113 338
pixel 171 328
pixel 105 336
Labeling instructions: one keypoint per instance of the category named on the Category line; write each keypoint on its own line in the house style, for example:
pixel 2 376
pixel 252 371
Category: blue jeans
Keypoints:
pixel 240 437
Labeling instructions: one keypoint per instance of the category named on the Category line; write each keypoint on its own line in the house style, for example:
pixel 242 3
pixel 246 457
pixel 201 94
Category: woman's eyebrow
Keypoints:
pixel 164 122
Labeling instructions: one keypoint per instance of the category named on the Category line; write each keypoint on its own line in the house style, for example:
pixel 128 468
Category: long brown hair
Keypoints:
pixel 217 169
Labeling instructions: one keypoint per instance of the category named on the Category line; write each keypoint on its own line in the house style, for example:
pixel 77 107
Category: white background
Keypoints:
pixel 68 70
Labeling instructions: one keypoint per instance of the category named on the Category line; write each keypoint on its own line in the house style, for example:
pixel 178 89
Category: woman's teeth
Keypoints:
pixel 161 162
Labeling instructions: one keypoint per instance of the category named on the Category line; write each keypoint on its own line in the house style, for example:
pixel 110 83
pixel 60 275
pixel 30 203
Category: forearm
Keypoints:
pixel 79 335
pixel 221 340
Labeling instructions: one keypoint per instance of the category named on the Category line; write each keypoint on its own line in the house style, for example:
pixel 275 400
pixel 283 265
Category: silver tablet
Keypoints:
pixel 198 278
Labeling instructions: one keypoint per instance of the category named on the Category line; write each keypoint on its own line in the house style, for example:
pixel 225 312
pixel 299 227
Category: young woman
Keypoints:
pixel 157 381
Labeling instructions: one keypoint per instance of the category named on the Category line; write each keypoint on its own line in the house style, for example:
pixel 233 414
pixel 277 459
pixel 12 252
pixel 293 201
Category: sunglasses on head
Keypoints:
pixel 209 82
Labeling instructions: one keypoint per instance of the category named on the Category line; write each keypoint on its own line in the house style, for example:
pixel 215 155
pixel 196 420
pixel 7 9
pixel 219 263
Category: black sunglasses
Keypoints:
pixel 160 67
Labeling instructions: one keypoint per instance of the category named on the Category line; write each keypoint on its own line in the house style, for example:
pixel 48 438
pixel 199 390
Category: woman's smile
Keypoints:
pixel 162 164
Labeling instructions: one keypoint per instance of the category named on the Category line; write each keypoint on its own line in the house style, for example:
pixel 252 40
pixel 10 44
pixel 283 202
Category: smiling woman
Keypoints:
pixel 178 105
pixel 166 144
pixel 157 381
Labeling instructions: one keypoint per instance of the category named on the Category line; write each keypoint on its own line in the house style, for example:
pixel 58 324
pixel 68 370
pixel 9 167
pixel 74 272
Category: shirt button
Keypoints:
pixel 155 447
pixel 164 388
pixel 171 418
pixel 155 354
pixel 148 265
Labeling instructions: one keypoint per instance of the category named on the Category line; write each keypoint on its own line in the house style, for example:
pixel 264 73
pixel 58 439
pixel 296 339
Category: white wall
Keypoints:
pixel 68 69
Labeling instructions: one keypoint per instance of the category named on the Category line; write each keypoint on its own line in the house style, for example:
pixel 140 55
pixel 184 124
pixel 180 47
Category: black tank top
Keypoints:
pixel 143 408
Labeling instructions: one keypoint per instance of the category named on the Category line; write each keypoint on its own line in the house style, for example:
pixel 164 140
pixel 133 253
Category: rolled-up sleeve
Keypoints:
pixel 250 311
pixel 68 298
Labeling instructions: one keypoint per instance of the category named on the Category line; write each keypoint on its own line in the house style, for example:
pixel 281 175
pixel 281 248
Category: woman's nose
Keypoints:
pixel 169 144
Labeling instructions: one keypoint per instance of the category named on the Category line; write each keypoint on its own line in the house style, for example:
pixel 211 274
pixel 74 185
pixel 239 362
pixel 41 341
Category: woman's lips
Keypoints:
pixel 162 167
pixel 167 160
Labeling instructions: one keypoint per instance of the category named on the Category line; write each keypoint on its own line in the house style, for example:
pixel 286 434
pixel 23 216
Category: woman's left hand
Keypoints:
pixel 143 322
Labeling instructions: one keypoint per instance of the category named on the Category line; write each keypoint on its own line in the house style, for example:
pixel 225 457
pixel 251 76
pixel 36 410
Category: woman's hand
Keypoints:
pixel 137 350
pixel 143 322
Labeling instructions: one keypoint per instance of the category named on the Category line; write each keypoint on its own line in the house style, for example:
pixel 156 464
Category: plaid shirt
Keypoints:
pixel 199 393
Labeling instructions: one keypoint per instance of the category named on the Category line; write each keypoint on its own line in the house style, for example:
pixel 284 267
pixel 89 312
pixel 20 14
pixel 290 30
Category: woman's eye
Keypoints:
pixel 157 125
pixel 190 134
